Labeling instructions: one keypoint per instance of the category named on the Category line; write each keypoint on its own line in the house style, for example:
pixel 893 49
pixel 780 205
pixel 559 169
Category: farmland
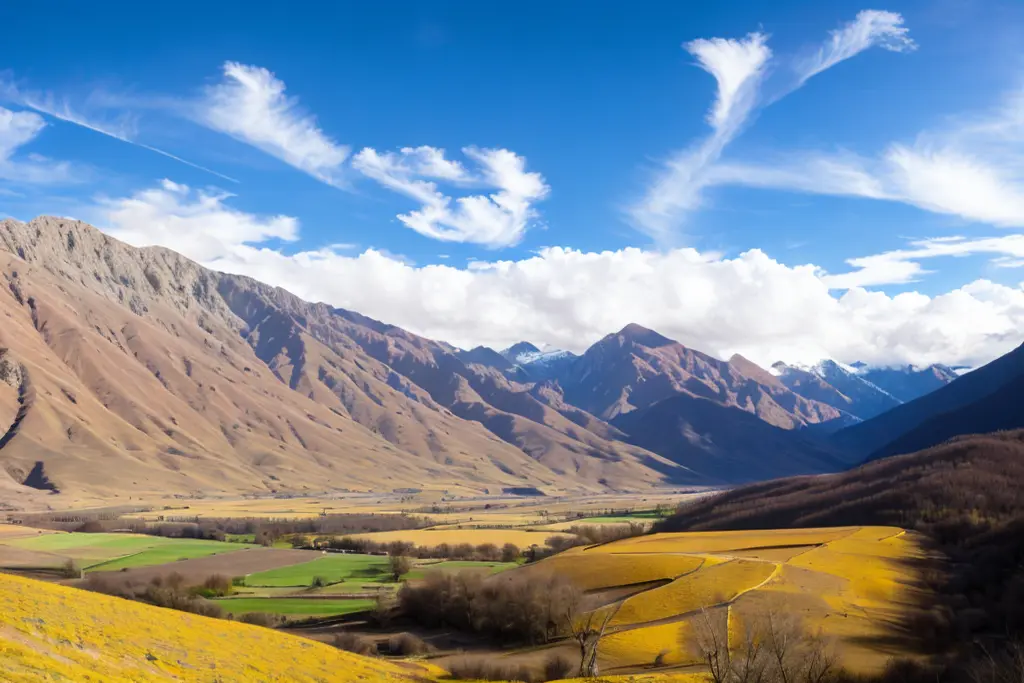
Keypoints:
pixel 294 607
pixel 110 552
pixel 329 568
pixel 432 538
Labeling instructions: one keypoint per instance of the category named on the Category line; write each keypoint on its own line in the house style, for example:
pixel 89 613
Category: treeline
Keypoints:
pixel 175 592
pixel 964 496
pixel 484 552
pixel 511 609
pixel 265 531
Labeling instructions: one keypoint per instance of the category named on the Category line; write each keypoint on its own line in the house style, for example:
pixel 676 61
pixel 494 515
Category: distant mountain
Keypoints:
pixel 842 387
pixel 637 367
pixel 724 443
pixel 532 364
pixel 982 400
pixel 909 382
pixel 522 348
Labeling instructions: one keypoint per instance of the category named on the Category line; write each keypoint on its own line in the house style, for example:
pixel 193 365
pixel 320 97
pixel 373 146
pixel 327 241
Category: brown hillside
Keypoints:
pixel 145 374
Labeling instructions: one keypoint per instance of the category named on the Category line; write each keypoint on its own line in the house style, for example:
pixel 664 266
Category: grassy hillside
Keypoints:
pixel 964 495
pixel 55 633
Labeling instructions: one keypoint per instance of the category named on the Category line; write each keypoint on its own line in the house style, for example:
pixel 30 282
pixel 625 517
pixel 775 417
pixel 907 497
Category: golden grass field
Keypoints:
pixel 852 584
pixel 432 538
pixel 54 633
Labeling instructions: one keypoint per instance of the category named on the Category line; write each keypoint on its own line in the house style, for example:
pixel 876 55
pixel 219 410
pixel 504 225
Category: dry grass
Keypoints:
pixel 55 633
pixel 432 538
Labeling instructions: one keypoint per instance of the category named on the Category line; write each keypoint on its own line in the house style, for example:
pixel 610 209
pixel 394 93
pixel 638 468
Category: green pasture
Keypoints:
pixel 301 607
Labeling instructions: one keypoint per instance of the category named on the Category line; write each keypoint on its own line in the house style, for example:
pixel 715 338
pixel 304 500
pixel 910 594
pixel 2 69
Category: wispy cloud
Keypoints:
pixel 870 28
pixel 901 266
pixel 494 220
pixel 17 129
pixel 250 105
pixel 123 128
pixel 973 169
pixel 741 68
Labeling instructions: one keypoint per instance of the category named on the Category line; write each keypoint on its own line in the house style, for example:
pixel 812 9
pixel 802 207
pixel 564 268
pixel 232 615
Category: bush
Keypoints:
pixel 408 645
pixel 510 552
pixel 488 669
pixel 360 645
pixel 71 570
pixel 318 582
pixel 260 619
pixel 557 667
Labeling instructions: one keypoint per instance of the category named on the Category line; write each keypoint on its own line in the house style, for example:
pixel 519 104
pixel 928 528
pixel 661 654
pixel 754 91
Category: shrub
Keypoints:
pixel 260 619
pixel 488 669
pixel 510 552
pixel 408 645
pixel 360 645
pixel 557 667
pixel 318 582
pixel 71 570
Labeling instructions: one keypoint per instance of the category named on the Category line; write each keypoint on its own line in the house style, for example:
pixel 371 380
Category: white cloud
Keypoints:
pixel 750 304
pixel 17 129
pixel 904 265
pixel 196 223
pixel 494 220
pixel 973 169
pixel 740 68
pixel 250 105
pixel 870 28
pixel 124 128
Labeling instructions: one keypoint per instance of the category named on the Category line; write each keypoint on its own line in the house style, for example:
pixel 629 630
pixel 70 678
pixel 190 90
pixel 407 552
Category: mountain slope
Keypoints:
pixel 637 367
pixel 908 383
pixel 873 435
pixel 141 372
pixel 725 444
pixel 838 386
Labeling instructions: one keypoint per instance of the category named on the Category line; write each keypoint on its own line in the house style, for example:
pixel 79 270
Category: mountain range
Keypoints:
pixel 136 372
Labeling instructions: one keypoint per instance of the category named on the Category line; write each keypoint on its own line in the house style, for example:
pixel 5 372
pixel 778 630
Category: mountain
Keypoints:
pixel 532 364
pixel 723 443
pixel 909 382
pixel 637 367
pixel 984 399
pixel 842 387
pixel 138 372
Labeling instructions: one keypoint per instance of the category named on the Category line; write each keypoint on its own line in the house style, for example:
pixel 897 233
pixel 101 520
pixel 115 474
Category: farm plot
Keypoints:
pixel 106 551
pixel 331 569
pixel 294 607
pixel 431 538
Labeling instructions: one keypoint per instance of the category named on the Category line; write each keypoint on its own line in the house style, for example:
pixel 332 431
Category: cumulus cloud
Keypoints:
pixel 751 304
pixel 741 68
pixel 17 129
pixel 250 105
pixel 971 169
pixel 498 219
pixel 196 223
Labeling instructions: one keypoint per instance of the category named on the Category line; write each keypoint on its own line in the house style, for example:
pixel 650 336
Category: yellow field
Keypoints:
pixel 432 538
pixel 55 633
pixel 852 584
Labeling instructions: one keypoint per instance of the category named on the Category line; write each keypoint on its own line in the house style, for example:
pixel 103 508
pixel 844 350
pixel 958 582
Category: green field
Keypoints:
pixel 331 568
pixel 115 551
pixel 311 607
pixel 456 565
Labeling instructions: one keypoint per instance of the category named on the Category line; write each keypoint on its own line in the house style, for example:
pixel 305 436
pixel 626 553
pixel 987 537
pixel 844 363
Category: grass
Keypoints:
pixel 297 607
pixel 434 537
pixel 458 565
pixel 56 633
pixel 117 551
pixel 332 568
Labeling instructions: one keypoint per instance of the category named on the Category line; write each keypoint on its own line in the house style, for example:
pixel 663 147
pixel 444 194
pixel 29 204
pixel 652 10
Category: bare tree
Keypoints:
pixel 587 631
pixel 773 648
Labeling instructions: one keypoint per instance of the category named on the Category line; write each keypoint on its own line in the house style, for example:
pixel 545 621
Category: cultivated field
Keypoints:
pixel 853 584
pixel 431 538
pixel 107 552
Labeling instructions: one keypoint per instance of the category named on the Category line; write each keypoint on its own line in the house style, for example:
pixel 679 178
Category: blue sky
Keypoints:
pixel 706 168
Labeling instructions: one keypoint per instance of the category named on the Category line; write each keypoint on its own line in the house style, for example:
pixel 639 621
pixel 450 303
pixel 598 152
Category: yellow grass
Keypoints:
pixel 432 538
pixel 590 570
pixel 9 531
pixel 712 586
pixel 55 633
pixel 853 584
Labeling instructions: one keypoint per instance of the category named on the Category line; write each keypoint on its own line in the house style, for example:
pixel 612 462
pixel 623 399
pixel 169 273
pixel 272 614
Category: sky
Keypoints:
pixel 790 181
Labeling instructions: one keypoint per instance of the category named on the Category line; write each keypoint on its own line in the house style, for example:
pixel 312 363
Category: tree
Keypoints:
pixel 773 648
pixel 587 631
pixel 509 552
pixel 400 565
